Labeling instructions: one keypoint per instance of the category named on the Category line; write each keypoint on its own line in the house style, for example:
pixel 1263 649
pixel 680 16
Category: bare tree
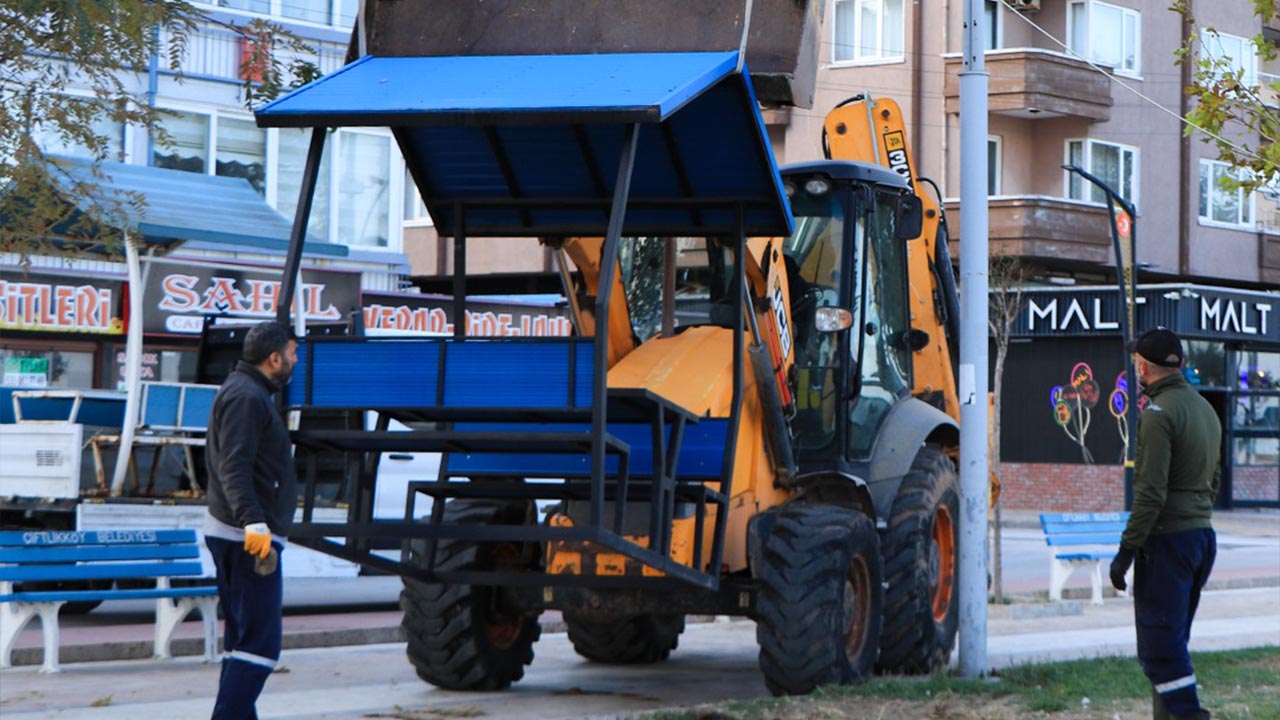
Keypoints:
pixel 1008 277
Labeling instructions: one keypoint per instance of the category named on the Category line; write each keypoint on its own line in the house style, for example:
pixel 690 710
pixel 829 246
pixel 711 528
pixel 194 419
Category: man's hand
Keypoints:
pixel 257 539
pixel 1119 566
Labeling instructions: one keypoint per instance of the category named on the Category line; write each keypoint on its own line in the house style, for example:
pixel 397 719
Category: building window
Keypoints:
pixel 1106 34
pixel 353 199
pixel 867 30
pixel 107 131
pixel 1116 165
pixel 213 144
pixel 415 210
pixel 339 13
pixel 991 10
pixel 1218 204
pixel 363 186
pixel 1236 53
pixel 994 155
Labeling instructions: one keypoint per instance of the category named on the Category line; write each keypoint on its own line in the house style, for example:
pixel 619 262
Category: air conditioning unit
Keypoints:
pixel 1025 5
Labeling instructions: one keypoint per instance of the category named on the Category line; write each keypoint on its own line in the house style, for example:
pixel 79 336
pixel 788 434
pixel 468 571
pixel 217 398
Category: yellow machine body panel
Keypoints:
pixel 872 130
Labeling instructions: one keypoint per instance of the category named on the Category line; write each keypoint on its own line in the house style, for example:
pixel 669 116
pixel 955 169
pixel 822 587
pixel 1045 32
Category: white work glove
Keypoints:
pixel 257 540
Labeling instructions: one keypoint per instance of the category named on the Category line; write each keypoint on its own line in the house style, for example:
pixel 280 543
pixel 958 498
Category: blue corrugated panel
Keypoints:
pixel 507 374
pixel 182 206
pixel 386 374
pixel 551 128
pixel 701 452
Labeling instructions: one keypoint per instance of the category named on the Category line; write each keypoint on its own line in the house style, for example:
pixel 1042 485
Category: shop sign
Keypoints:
pixel 148 369
pixel 1192 311
pixel 180 297
pixel 29 372
pixel 60 304
pixel 389 314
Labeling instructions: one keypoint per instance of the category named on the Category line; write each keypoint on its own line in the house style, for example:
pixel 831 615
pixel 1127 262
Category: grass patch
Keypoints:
pixel 1235 685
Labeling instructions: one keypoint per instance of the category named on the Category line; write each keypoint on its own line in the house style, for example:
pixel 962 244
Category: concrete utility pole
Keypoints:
pixel 973 346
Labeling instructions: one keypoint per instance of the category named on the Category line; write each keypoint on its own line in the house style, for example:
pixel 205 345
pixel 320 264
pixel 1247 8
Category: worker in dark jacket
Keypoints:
pixel 1169 530
pixel 252 495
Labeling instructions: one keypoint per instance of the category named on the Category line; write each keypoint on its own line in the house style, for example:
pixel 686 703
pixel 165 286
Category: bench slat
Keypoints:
pixel 1085 556
pixel 29 538
pixel 93 553
pixel 1056 528
pixel 99 571
pixel 1093 539
pixel 89 595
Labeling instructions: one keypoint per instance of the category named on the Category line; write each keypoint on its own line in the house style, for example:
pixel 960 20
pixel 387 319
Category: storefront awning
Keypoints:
pixel 530 144
pixel 178 206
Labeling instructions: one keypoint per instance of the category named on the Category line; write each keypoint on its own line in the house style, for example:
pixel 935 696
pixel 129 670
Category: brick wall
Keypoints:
pixel 1255 482
pixel 1046 487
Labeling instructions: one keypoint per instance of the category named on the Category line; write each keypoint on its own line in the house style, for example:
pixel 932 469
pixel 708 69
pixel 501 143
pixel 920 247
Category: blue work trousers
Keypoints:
pixel 1169 573
pixel 251 611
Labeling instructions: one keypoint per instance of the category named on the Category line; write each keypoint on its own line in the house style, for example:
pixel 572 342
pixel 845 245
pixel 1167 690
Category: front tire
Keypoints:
pixel 636 640
pixel 921 566
pixel 819 605
pixel 470 637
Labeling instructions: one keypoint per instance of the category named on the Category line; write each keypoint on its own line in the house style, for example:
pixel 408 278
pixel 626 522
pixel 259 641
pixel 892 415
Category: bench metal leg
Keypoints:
pixel 1096 598
pixel 1059 572
pixel 170 612
pixel 15 616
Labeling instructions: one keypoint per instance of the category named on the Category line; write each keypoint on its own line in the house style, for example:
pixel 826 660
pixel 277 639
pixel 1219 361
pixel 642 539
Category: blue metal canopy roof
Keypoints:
pixel 181 206
pixel 530 145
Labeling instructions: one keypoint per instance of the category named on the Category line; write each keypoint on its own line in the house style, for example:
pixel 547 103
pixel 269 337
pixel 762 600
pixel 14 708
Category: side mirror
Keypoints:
pixel 908 217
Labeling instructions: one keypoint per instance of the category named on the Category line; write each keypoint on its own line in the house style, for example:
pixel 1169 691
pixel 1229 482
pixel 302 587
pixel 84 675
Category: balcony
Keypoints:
pixel 1036 226
pixel 1031 83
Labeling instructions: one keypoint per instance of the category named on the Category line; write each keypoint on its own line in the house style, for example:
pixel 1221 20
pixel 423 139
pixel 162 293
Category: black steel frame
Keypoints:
pixel 662 490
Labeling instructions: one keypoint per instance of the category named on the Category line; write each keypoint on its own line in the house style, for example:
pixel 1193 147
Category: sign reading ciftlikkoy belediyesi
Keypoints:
pixel 1192 311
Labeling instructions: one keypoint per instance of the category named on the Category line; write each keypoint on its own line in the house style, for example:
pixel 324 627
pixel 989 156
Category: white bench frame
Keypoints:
pixel 1062 566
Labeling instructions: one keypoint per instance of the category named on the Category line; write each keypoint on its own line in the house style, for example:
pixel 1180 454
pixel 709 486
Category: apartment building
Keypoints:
pixel 360 202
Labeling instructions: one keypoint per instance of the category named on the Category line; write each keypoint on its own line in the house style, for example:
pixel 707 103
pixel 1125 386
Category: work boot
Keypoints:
pixel 1158 711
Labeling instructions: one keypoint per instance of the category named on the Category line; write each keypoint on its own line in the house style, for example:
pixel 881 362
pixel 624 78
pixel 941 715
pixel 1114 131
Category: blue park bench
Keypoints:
pixel 53 556
pixel 1081 540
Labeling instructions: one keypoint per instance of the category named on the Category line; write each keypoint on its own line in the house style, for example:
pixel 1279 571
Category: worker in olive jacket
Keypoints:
pixel 252 496
pixel 1169 531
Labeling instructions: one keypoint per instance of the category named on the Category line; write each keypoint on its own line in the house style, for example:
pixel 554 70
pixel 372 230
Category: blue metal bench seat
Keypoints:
pixel 61 557
pixel 1081 539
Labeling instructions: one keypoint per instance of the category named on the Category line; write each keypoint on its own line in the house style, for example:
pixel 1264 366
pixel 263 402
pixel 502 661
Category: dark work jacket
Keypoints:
pixel 248 455
pixel 1177 464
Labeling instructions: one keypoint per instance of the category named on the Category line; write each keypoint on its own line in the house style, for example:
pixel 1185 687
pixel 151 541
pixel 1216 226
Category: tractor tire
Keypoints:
pixel 921 567
pixel 637 640
pixel 469 637
pixel 819 604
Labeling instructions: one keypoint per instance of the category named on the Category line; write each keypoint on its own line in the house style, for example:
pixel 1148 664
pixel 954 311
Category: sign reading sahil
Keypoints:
pixel 1192 311
pixel 181 297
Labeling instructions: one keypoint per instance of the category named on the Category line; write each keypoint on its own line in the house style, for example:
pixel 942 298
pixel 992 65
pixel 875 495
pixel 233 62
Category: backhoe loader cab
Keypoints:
pixel 846 265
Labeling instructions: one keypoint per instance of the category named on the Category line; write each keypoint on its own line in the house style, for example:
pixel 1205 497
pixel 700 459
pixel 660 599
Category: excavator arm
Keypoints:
pixel 872 130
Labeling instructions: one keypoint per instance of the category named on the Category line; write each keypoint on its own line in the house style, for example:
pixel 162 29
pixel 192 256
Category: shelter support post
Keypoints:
pixel 132 365
pixel 600 380
pixel 293 261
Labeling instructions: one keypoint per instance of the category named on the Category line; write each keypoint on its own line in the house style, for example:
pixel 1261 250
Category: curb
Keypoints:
pixel 1024 607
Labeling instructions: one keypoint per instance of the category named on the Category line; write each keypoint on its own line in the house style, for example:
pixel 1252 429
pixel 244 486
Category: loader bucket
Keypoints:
pixel 782 43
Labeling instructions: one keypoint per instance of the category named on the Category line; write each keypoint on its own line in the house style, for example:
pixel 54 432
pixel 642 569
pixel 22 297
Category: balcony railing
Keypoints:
pixel 1043 227
pixel 215 53
pixel 1033 83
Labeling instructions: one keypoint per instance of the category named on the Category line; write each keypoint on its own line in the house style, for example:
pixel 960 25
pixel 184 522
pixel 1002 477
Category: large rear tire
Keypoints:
pixel 636 640
pixel 818 609
pixel 470 637
pixel 921 565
